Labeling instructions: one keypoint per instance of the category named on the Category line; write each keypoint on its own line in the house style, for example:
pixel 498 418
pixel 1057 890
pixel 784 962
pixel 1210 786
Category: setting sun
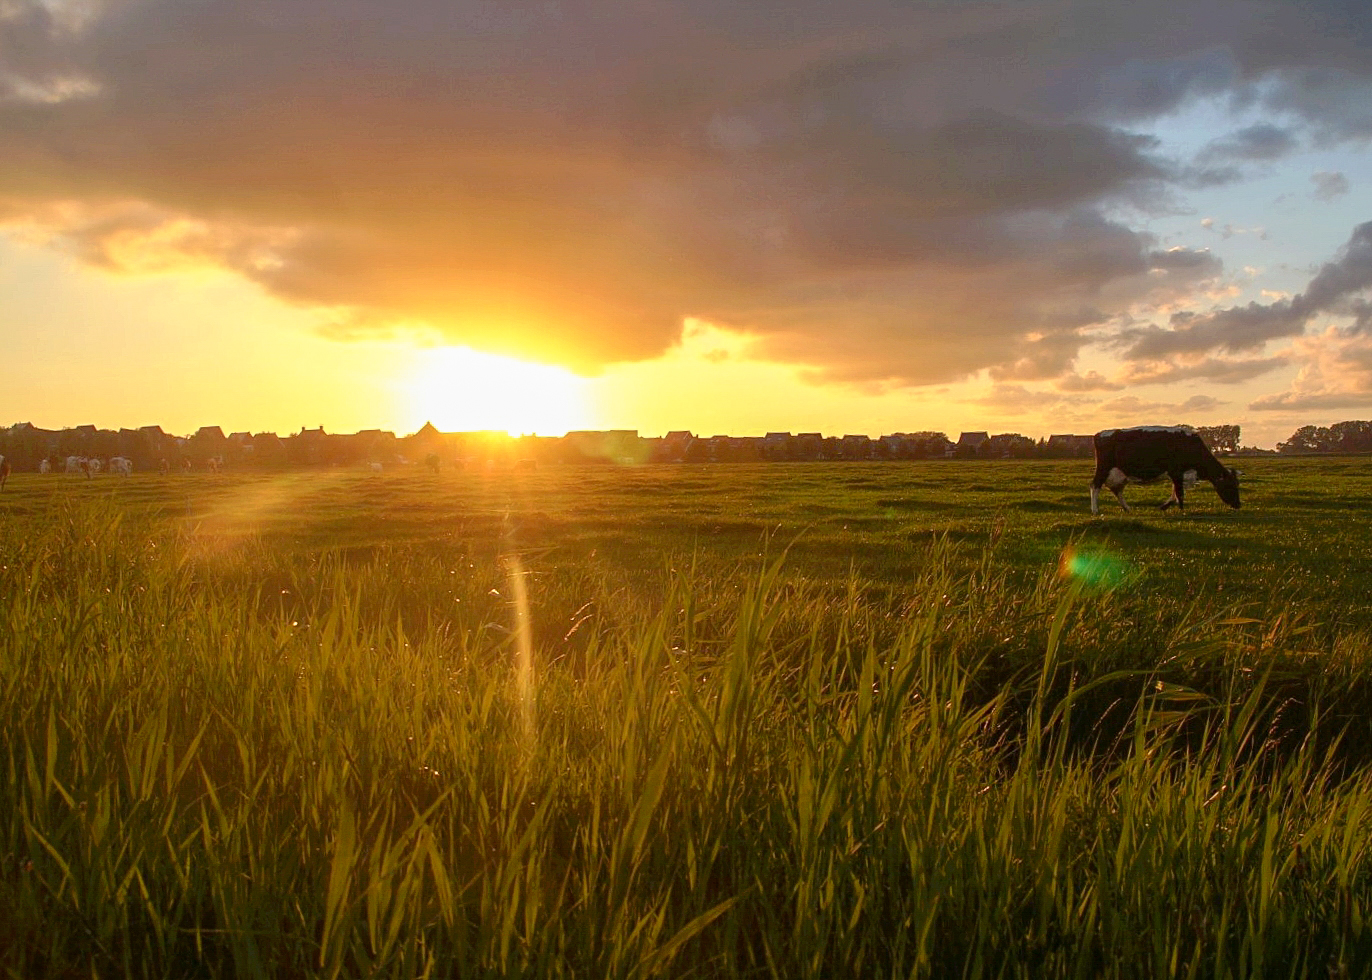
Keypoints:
pixel 459 389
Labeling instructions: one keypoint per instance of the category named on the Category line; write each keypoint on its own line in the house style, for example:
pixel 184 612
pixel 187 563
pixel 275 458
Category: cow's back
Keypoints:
pixel 1147 452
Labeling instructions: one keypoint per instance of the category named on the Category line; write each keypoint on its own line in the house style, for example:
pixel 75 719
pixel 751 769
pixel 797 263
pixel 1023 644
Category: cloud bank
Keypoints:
pixel 1244 329
pixel 886 192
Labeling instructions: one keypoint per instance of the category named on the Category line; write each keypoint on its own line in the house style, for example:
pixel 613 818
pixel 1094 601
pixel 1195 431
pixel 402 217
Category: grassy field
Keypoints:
pixel 807 720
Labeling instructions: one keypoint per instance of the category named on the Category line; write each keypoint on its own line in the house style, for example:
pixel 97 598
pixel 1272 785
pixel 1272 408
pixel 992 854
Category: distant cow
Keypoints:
pixel 4 472
pixel 1147 452
pixel 44 466
pixel 120 465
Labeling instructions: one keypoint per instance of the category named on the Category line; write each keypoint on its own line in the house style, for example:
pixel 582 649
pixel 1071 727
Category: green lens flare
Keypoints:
pixel 1092 568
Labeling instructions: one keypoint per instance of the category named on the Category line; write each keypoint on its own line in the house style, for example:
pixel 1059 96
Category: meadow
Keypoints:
pixel 788 720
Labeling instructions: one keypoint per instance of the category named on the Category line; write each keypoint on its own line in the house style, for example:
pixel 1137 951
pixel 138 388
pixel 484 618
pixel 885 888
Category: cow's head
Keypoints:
pixel 1228 488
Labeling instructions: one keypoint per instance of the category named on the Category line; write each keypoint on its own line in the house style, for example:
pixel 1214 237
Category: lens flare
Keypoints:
pixel 1093 568
pixel 524 645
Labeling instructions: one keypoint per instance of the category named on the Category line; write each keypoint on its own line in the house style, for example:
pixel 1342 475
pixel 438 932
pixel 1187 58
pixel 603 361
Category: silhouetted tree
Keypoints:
pixel 1350 437
pixel 928 445
pixel 1306 439
pixel 1012 445
pixel 1341 437
pixel 1220 438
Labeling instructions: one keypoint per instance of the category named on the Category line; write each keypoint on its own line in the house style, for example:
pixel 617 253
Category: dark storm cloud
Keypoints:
pixel 1242 329
pixel 1197 261
pixel 1259 142
pixel 1336 102
pixel 1361 312
pixel 1329 186
pixel 1235 330
pixel 1214 369
pixel 902 192
pixel 1201 403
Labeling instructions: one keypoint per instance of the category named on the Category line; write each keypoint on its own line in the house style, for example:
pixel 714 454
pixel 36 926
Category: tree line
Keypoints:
pixel 1341 437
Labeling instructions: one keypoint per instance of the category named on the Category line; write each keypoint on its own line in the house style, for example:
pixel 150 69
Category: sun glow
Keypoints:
pixel 462 390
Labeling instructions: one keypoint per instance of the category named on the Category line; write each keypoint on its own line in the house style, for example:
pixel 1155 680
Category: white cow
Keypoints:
pixel 95 465
pixel 44 466
pixel 121 465
pixel 79 464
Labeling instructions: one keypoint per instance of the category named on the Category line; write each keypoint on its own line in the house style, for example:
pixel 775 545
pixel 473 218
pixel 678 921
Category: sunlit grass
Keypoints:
pixel 751 756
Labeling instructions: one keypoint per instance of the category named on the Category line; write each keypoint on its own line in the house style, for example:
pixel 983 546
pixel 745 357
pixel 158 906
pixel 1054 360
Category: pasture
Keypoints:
pixel 805 720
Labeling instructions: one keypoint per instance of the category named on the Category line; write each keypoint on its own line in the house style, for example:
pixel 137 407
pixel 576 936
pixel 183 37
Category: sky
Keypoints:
pixel 1033 216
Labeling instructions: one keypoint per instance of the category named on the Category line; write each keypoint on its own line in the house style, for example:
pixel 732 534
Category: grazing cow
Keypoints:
pixel 374 467
pixel 1145 453
pixel 44 466
pixel 4 472
pixel 79 464
pixel 94 465
pixel 121 465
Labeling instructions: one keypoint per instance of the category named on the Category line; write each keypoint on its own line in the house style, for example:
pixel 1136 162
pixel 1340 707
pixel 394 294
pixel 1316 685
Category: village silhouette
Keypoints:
pixel 29 448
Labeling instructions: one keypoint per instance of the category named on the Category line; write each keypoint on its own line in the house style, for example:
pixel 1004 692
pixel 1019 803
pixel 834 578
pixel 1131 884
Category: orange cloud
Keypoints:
pixel 886 194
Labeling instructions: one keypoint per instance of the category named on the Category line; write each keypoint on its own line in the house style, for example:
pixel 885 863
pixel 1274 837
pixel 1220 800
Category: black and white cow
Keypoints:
pixel 1147 452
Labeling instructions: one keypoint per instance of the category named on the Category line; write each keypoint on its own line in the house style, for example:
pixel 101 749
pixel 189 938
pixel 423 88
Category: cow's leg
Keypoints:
pixel 1112 478
pixel 1178 493
pixel 1116 489
pixel 1115 481
pixel 1098 481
